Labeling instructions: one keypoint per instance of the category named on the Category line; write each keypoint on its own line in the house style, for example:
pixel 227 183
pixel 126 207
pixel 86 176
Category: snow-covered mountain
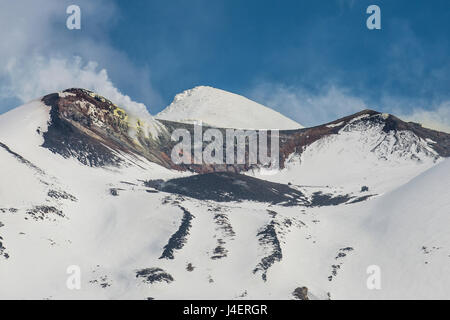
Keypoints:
pixel 84 184
pixel 219 108
pixel 405 233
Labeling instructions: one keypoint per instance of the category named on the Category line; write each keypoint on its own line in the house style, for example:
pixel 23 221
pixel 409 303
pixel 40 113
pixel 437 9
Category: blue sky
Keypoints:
pixel 311 60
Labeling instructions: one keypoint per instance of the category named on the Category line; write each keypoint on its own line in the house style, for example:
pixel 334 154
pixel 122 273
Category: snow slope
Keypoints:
pixel 133 241
pixel 223 109
pixel 404 233
pixel 360 154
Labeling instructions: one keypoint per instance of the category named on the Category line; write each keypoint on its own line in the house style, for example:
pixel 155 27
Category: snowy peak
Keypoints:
pixel 95 131
pixel 223 109
pixel 438 141
pixel 366 146
pixel 386 134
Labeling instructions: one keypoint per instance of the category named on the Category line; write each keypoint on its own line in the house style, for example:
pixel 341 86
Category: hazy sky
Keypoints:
pixel 313 61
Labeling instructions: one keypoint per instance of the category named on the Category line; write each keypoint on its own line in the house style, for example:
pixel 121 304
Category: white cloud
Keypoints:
pixel 330 103
pixel 431 114
pixel 305 107
pixel 438 118
pixel 39 76
pixel 38 55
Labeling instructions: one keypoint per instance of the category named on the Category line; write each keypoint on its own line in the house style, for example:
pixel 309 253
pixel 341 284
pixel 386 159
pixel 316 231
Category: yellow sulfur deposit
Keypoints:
pixel 139 124
pixel 118 112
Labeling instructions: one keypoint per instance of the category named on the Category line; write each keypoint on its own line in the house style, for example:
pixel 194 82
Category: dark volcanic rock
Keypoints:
pixel 268 239
pixel 219 252
pixel 45 213
pixel 95 131
pixel 227 186
pixel 61 195
pixel 342 253
pixel 301 293
pixel 320 199
pixel 66 138
pixel 190 267
pixel 178 239
pixel 3 252
pixel 152 275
